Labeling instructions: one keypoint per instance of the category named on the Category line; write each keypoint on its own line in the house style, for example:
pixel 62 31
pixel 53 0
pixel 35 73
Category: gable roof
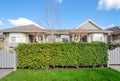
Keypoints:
pixel 82 28
pixel 90 22
pixel 116 30
pixel 26 28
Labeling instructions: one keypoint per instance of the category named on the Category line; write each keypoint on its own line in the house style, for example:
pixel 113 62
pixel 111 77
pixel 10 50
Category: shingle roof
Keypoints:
pixel 33 28
pixel 26 28
pixel 116 30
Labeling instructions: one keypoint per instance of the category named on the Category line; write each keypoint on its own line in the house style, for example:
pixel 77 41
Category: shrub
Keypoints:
pixel 113 46
pixel 71 54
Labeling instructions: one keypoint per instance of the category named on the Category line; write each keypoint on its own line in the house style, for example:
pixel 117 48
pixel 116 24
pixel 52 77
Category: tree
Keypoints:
pixel 51 20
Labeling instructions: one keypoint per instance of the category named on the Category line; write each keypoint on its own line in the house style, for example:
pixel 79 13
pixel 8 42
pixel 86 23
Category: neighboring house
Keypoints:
pixel 115 36
pixel 86 32
pixel 1 41
pixel 1 36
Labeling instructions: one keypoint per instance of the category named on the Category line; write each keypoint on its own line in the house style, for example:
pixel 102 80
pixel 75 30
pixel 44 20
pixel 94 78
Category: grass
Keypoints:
pixel 102 74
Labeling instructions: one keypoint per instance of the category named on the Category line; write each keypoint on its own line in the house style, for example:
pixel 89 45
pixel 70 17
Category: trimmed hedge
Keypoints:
pixel 71 54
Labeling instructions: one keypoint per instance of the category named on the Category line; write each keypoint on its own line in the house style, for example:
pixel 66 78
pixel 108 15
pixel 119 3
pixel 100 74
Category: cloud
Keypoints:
pixel 59 1
pixel 1 23
pixel 112 25
pixel 22 22
pixel 109 4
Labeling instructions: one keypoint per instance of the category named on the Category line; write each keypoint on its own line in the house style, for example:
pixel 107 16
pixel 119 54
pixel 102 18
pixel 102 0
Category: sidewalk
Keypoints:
pixel 4 72
pixel 116 67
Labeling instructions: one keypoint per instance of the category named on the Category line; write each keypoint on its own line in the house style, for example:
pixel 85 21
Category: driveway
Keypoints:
pixel 116 67
pixel 4 72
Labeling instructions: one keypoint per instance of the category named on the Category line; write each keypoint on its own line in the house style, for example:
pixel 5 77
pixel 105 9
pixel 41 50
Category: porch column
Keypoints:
pixel 87 36
pixel 37 37
pixel 72 37
pixel 105 38
pixel 27 38
pixel 34 38
pixel 79 37
pixel 92 38
pixel 111 38
pixel 43 35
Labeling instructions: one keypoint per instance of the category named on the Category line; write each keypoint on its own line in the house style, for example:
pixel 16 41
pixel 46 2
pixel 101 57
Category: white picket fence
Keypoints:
pixel 114 56
pixel 8 60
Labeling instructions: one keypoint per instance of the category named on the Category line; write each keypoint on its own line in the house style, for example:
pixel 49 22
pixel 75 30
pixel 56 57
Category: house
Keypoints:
pixel 1 37
pixel 22 34
pixel 87 32
pixel 90 31
pixel 115 35
pixel 1 40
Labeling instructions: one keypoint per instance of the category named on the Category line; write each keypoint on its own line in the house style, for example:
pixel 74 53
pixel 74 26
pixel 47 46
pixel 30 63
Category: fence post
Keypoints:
pixel 108 62
pixel 15 61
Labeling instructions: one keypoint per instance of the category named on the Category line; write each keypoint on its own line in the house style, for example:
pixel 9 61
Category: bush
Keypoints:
pixel 113 46
pixel 45 55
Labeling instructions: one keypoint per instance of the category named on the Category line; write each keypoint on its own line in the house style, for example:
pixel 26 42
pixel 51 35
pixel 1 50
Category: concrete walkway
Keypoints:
pixel 4 72
pixel 116 67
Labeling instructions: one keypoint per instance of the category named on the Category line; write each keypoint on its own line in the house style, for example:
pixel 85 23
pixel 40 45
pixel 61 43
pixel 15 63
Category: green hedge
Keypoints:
pixel 45 55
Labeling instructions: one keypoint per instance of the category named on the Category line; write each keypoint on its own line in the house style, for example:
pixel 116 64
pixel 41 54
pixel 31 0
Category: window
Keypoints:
pixel 64 39
pixel 97 37
pixel 13 39
pixel 50 38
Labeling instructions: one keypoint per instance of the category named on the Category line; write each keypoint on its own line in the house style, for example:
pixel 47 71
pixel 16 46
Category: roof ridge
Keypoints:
pixel 22 26
pixel 112 27
pixel 119 27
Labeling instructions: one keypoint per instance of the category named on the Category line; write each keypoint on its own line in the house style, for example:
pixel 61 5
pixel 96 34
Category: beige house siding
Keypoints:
pixel 89 26
pixel 18 38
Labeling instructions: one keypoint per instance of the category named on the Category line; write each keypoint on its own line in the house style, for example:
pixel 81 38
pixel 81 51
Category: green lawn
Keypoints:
pixel 102 74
